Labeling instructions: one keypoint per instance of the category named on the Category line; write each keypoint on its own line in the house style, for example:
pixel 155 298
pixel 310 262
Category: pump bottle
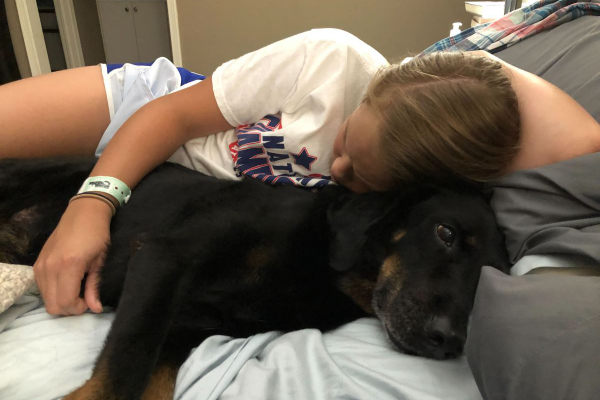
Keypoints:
pixel 455 28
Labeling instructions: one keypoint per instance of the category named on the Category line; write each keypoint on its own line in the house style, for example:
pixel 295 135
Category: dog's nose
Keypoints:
pixel 444 340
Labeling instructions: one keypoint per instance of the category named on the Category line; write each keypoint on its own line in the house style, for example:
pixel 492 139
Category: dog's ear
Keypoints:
pixel 354 219
pixel 349 221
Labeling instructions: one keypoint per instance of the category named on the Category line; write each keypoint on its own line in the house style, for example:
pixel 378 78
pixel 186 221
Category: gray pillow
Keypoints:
pixel 536 337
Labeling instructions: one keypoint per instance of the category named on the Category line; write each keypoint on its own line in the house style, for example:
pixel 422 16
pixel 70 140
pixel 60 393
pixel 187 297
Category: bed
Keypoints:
pixel 44 357
pixel 535 335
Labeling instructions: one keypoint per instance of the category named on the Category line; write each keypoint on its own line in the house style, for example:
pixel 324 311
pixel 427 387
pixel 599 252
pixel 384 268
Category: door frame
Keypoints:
pixel 35 46
pixel 69 33
pixel 31 27
pixel 174 30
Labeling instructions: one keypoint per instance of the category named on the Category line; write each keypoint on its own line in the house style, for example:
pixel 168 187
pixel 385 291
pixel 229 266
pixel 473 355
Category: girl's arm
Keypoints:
pixel 152 134
pixel 554 127
pixel 147 139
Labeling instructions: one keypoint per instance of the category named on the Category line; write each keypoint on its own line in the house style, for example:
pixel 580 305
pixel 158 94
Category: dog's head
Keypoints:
pixel 413 259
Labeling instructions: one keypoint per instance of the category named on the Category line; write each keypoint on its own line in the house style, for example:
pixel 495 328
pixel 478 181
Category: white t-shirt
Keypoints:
pixel 287 101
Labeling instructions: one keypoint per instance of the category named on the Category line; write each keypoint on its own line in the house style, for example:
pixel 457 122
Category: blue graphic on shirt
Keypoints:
pixel 260 153
pixel 304 159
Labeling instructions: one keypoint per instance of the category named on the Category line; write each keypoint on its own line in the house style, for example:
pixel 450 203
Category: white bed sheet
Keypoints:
pixel 44 357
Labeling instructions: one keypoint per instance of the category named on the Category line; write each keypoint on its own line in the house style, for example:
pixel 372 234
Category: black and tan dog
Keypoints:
pixel 192 256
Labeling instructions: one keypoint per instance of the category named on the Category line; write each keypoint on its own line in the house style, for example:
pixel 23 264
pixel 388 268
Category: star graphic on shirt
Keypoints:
pixel 304 159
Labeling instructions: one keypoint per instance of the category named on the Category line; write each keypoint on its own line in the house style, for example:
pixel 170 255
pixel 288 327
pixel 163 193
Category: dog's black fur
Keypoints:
pixel 193 256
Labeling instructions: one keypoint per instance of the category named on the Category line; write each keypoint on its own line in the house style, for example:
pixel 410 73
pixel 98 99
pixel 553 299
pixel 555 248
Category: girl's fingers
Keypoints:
pixel 92 297
pixel 49 292
pixel 77 244
pixel 68 280
pixel 40 279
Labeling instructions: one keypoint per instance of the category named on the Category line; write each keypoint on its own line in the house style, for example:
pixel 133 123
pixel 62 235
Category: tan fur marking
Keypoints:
pixel 471 241
pixel 96 388
pixel 135 245
pixel 257 259
pixel 398 236
pixel 162 384
pixel 389 267
pixel 260 256
pixel 391 270
pixel 360 290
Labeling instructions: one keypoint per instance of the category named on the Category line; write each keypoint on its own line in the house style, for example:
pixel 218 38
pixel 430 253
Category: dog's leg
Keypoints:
pixel 151 295
pixel 162 380
pixel 162 383
pixel 195 322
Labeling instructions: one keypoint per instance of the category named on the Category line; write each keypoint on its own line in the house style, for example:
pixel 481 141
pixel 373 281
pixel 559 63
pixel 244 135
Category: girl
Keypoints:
pixel 316 108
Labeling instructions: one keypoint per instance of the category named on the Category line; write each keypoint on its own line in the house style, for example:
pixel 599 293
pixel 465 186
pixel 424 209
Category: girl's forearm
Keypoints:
pixel 146 139
pixel 150 136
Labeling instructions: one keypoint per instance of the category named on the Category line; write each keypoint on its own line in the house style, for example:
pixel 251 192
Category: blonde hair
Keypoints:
pixel 446 114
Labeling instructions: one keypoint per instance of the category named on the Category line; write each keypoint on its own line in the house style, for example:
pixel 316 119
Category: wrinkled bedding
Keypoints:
pixel 44 357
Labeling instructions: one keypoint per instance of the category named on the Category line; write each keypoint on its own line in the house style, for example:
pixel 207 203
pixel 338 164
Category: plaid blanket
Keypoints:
pixel 516 26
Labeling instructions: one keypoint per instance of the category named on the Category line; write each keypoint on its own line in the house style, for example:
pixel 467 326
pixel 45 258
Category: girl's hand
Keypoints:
pixel 77 245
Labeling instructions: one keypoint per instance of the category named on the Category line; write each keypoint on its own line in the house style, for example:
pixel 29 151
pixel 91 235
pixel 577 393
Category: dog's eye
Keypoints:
pixel 445 234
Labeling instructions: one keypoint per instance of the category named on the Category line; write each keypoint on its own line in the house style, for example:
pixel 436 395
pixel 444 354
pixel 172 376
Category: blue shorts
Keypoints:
pixel 130 86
